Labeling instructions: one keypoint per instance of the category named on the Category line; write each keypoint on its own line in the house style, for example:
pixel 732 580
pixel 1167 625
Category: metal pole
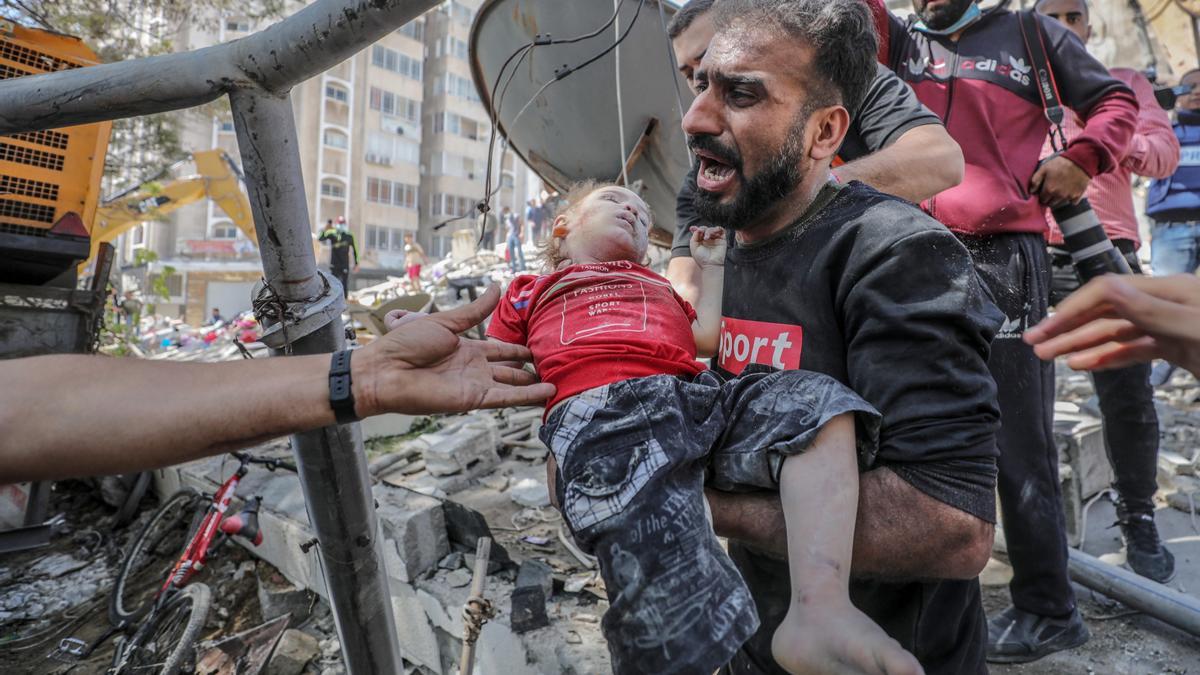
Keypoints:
pixel 1159 601
pixel 331 462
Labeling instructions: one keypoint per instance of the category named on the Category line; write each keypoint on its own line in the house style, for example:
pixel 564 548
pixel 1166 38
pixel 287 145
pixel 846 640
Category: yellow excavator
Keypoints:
pixel 216 177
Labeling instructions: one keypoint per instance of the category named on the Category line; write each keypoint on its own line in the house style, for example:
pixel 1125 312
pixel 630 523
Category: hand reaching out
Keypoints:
pixel 708 246
pixel 423 365
pixel 1117 320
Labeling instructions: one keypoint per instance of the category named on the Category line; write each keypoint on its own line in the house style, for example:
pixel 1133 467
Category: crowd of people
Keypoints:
pixel 863 247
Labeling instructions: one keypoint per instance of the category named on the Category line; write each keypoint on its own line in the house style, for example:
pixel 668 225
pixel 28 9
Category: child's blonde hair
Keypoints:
pixel 550 248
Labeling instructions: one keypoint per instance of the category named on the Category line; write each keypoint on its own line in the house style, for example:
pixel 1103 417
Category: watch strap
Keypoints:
pixel 341 394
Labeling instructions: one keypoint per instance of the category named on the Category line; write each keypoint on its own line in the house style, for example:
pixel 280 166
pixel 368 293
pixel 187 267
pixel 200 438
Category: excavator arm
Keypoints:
pixel 216 178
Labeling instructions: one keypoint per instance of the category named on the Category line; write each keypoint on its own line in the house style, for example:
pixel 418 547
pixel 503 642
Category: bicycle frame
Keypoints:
pixel 196 553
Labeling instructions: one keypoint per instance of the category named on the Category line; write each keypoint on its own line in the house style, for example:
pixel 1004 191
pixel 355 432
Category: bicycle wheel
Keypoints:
pixel 165 643
pixel 152 555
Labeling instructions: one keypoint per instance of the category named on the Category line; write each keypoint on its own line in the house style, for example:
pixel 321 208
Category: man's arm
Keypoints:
pixel 74 415
pixel 893 516
pixel 921 163
pixel 898 146
pixel 1154 148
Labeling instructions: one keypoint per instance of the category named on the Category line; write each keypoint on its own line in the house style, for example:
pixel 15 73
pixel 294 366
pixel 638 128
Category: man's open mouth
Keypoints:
pixel 714 175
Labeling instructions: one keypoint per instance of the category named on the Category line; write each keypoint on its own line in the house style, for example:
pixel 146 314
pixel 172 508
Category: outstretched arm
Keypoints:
pixel 74 415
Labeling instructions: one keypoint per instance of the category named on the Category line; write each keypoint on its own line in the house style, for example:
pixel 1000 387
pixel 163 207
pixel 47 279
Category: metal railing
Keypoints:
pixel 257 73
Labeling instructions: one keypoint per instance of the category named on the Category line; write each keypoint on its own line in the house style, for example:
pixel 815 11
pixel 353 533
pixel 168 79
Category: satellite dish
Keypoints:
pixel 571 131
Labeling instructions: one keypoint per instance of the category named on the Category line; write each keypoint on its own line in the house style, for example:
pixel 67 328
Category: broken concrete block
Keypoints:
pixel 292 654
pixel 468 447
pixel 534 585
pixel 278 596
pixel 418 642
pixel 465 526
pixel 414 531
pixel 1173 464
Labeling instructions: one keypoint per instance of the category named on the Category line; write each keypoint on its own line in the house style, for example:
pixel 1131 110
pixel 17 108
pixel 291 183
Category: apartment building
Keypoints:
pixel 394 139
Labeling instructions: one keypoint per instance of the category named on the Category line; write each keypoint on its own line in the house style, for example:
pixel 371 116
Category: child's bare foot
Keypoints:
pixel 836 638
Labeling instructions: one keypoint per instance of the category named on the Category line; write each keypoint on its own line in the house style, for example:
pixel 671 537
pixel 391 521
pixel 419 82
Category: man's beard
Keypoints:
pixel 938 18
pixel 761 192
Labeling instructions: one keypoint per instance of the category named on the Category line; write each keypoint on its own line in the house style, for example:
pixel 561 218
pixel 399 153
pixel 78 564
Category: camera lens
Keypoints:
pixel 1091 251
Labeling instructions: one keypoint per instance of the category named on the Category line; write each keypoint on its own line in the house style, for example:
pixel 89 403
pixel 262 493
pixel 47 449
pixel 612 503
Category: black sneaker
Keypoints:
pixel 1144 551
pixel 1016 636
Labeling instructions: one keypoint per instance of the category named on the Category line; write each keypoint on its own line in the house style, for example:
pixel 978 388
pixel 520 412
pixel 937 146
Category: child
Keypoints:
pixel 637 422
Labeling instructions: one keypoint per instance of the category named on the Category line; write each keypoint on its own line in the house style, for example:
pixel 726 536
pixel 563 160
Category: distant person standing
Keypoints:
pixel 487 227
pixel 1126 397
pixel 215 318
pixel 414 259
pixel 1173 202
pixel 533 216
pixel 342 245
pixel 512 234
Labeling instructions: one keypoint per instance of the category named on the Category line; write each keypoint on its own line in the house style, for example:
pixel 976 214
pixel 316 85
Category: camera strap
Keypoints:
pixel 1035 47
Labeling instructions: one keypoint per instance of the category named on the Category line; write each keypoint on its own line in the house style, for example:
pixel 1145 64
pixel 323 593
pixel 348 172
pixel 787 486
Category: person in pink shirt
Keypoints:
pixel 1126 397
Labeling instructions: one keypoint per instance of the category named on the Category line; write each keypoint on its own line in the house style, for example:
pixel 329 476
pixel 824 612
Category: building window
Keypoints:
pixel 394 61
pixel 457 125
pixel 450 205
pixel 333 189
pixel 458 11
pixel 237 25
pixel 226 126
pixel 451 46
pixel 455 85
pixel 224 230
pixel 388 149
pixel 336 93
pixel 335 139
pixel 385 238
pixel 413 29
pixel 506 180
pixel 381 191
pixel 394 104
pixel 448 164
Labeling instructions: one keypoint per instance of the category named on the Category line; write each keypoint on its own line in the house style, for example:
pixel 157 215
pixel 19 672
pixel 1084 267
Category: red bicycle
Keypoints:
pixel 153 599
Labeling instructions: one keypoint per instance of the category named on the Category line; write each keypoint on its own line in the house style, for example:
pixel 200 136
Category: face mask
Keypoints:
pixel 969 17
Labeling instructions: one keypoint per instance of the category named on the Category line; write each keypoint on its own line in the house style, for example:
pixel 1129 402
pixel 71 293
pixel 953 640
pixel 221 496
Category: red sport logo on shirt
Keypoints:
pixel 770 344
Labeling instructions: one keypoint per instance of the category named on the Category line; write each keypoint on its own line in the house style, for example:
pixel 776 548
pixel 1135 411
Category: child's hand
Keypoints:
pixel 708 246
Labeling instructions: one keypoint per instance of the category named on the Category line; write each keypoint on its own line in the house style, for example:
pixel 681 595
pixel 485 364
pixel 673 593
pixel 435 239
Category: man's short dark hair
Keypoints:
pixel 686 15
pixel 841 34
pixel 1087 9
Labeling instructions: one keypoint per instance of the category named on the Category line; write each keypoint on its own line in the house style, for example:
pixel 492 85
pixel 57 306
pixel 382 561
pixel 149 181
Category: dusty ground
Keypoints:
pixel 1121 644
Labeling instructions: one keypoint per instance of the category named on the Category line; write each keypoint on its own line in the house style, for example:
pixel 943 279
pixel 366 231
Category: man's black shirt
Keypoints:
pixel 871 291
pixel 889 109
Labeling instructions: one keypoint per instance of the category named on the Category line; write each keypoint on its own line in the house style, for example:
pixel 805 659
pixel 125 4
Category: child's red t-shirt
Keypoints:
pixel 589 325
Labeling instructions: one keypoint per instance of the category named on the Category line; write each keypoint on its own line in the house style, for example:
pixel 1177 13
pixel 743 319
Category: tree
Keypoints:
pixel 119 30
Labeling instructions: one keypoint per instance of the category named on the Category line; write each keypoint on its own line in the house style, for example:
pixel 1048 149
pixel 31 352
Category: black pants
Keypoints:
pixel 1015 270
pixel 1126 402
pixel 343 275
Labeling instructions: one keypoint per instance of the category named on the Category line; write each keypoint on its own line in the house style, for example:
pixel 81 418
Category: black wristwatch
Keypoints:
pixel 341 395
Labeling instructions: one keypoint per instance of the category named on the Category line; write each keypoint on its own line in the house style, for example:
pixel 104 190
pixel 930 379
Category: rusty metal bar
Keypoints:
pixel 275 59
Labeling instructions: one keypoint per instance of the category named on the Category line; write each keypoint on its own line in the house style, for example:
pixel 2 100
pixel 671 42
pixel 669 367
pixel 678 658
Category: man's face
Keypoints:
pixel 747 125
pixel 1190 100
pixel 939 14
pixel 690 45
pixel 1071 13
